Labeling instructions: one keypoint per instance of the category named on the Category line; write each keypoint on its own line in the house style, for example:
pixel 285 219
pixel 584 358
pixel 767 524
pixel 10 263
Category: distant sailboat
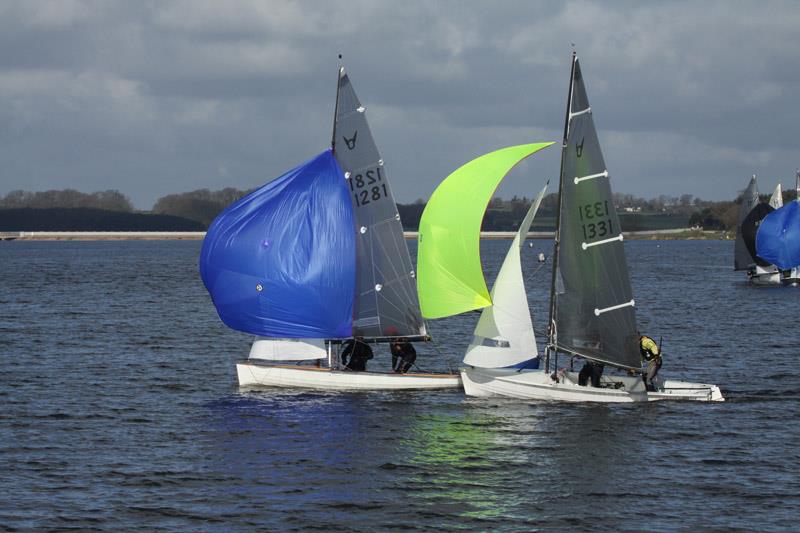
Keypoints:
pixel 778 239
pixel 776 200
pixel 591 302
pixel 314 257
pixel 751 212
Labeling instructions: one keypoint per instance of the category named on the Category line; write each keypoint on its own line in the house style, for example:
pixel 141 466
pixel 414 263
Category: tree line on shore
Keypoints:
pixel 203 205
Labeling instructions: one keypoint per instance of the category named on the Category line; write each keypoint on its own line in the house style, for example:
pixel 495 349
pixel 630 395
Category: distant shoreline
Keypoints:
pixel 665 234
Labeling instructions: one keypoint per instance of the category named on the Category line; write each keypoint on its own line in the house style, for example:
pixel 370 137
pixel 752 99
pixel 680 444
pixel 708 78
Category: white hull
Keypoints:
pixel 791 278
pixel 311 377
pixel 766 278
pixel 538 385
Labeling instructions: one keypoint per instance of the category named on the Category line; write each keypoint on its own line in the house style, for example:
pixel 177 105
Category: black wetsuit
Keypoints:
pixel 403 356
pixel 591 370
pixel 359 353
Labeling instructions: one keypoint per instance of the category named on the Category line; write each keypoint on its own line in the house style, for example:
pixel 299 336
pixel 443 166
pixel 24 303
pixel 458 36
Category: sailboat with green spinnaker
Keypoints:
pixel 592 309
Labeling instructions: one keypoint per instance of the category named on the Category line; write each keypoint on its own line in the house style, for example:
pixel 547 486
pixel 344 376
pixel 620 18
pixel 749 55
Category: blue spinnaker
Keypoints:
pixel 280 262
pixel 778 237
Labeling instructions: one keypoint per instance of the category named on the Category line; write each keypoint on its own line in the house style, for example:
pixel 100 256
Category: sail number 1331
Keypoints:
pixel 596 222
pixel 368 187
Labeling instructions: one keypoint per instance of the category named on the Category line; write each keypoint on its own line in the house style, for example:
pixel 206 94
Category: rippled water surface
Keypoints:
pixel 120 410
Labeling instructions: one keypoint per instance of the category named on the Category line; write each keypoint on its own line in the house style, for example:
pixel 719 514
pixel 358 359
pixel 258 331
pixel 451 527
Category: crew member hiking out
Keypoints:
pixel 651 354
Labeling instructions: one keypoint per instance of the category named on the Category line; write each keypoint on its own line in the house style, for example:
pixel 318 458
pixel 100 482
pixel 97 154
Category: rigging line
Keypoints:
pixel 438 351
pixel 530 276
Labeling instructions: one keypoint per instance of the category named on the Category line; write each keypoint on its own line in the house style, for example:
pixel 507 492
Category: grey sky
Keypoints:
pixel 169 96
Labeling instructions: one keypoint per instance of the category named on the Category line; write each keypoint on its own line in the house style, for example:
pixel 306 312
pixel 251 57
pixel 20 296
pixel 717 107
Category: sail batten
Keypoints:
pixel 386 302
pixel 592 299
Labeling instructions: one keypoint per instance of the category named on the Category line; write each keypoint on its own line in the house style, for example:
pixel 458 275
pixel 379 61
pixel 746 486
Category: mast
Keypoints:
pixel 551 337
pixel 339 71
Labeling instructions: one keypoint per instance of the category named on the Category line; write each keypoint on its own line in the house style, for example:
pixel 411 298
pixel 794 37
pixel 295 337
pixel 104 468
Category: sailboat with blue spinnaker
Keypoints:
pixel 314 258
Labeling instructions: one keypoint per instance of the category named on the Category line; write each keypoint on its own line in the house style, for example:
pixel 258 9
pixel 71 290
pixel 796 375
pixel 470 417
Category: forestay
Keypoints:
pixel 593 301
pixel 450 277
pixel 280 262
pixel 386 301
pixel 504 336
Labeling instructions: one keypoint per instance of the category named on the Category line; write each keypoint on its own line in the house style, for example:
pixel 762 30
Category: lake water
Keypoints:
pixel 120 410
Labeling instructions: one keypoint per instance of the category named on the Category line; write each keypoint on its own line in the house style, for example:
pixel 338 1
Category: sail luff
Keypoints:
pixel 551 330
pixel 339 74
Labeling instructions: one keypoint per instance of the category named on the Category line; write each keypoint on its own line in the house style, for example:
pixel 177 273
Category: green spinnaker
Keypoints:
pixel 449 274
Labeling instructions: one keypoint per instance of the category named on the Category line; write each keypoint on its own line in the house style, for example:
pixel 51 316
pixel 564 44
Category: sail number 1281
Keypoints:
pixel 367 187
pixel 595 223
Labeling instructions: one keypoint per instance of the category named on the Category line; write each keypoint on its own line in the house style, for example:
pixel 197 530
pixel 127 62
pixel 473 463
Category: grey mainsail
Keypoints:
pixel 744 255
pixel 593 307
pixel 386 303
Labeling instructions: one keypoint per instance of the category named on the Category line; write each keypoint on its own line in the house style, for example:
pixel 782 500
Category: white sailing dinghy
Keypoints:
pixel 313 258
pixel 591 303
pixel 751 212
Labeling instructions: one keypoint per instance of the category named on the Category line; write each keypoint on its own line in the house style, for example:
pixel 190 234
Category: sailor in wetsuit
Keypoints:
pixel 591 370
pixel 403 356
pixel 359 353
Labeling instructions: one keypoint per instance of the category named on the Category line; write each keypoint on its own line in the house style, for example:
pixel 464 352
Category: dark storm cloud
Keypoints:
pixel 159 97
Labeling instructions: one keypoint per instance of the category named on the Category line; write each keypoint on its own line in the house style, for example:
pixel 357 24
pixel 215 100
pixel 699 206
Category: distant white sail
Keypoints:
pixel 776 200
pixel 504 335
